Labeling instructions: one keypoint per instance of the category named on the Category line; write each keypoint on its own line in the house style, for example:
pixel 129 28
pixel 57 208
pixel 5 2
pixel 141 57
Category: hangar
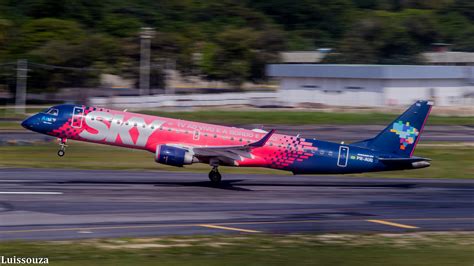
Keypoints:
pixel 374 85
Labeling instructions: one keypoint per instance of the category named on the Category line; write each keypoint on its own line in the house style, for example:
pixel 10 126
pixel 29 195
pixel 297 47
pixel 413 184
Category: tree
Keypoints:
pixel 121 25
pixel 38 32
pixel 79 63
pixel 5 26
pixel 241 54
pixel 386 38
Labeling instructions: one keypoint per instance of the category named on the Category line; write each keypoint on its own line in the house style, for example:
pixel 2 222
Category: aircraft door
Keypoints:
pixel 77 117
pixel 343 156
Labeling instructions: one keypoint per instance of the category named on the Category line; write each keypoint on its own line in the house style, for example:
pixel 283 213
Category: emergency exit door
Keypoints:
pixel 77 117
pixel 343 156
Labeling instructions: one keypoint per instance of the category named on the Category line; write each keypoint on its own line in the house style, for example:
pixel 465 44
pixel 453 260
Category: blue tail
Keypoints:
pixel 402 135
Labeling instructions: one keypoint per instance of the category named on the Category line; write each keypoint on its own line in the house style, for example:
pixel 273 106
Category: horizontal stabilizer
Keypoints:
pixel 403 163
pixel 413 159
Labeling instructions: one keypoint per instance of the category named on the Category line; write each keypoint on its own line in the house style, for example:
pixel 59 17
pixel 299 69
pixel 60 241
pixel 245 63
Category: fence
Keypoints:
pixel 257 99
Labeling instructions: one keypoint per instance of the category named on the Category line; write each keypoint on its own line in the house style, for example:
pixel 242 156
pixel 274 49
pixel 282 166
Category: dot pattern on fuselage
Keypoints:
pixel 290 150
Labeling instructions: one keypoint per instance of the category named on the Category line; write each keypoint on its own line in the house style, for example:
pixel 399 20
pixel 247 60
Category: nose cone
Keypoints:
pixel 25 123
pixel 28 123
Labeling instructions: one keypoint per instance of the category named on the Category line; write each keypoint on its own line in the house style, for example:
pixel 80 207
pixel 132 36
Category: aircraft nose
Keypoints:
pixel 25 123
pixel 28 123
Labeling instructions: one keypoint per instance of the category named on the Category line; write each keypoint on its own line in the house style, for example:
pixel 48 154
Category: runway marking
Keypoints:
pixel 229 228
pixel 31 192
pixel 433 219
pixel 21 180
pixel 393 224
pixel 224 224
pixel 96 228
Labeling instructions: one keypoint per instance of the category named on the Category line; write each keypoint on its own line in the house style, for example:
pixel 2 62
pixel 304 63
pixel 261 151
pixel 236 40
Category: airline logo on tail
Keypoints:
pixel 405 132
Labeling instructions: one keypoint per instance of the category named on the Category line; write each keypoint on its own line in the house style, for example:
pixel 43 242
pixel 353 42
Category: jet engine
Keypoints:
pixel 173 156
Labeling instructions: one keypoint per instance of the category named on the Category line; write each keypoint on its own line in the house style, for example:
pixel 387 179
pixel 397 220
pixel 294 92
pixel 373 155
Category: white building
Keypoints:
pixel 374 85
pixel 449 58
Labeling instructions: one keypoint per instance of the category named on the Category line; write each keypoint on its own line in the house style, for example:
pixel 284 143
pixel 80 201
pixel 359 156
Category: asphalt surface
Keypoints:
pixel 322 132
pixel 68 204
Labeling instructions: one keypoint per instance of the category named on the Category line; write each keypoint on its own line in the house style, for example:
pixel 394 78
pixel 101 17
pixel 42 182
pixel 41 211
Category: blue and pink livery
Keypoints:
pixel 178 142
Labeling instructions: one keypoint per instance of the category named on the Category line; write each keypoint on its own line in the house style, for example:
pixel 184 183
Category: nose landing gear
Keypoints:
pixel 62 149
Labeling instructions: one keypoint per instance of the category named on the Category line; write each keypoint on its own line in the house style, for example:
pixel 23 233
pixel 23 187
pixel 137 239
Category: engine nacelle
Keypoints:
pixel 173 155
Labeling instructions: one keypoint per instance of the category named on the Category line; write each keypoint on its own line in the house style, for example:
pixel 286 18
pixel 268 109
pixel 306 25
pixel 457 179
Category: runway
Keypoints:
pixel 67 204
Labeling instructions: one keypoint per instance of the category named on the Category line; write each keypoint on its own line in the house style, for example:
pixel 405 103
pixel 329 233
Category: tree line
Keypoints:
pixel 223 40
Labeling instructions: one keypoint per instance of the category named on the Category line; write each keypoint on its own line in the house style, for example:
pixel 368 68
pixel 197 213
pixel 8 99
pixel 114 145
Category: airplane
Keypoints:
pixel 178 142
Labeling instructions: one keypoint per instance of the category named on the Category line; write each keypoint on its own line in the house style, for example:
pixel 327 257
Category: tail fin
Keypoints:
pixel 402 135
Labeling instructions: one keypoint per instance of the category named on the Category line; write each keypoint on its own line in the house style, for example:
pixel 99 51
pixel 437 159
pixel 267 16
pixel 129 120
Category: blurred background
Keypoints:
pixel 336 70
pixel 282 53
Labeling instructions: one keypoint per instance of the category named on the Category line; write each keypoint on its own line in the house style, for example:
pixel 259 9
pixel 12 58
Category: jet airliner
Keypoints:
pixel 178 142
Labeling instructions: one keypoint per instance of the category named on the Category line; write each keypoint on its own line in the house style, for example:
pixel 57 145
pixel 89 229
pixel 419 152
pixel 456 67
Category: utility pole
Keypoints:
pixel 170 70
pixel 145 42
pixel 21 79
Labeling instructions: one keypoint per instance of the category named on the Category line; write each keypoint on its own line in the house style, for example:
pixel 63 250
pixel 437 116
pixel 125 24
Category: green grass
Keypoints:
pixel 292 117
pixel 13 119
pixel 10 125
pixel 11 113
pixel 289 117
pixel 404 249
pixel 448 162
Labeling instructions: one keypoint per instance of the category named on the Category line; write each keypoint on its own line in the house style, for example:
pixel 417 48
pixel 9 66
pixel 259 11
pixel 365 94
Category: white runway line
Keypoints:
pixel 21 181
pixel 31 192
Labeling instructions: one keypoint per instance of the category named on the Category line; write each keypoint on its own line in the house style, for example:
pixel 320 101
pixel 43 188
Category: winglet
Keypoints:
pixel 263 140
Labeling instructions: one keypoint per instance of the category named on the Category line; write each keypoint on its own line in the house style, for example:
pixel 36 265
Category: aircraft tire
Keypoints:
pixel 215 177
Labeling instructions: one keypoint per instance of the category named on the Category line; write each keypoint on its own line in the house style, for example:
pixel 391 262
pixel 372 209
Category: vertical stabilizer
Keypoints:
pixel 402 135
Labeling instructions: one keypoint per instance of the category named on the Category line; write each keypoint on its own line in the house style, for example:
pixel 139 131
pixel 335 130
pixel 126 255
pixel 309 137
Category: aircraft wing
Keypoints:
pixel 231 153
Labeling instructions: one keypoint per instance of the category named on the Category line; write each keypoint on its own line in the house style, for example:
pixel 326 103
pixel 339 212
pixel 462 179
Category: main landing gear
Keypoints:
pixel 62 149
pixel 215 176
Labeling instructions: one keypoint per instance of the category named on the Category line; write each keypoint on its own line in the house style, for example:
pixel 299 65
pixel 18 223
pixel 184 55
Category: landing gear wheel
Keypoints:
pixel 62 145
pixel 215 176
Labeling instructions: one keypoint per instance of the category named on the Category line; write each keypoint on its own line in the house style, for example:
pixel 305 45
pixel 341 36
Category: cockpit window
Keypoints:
pixel 52 111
